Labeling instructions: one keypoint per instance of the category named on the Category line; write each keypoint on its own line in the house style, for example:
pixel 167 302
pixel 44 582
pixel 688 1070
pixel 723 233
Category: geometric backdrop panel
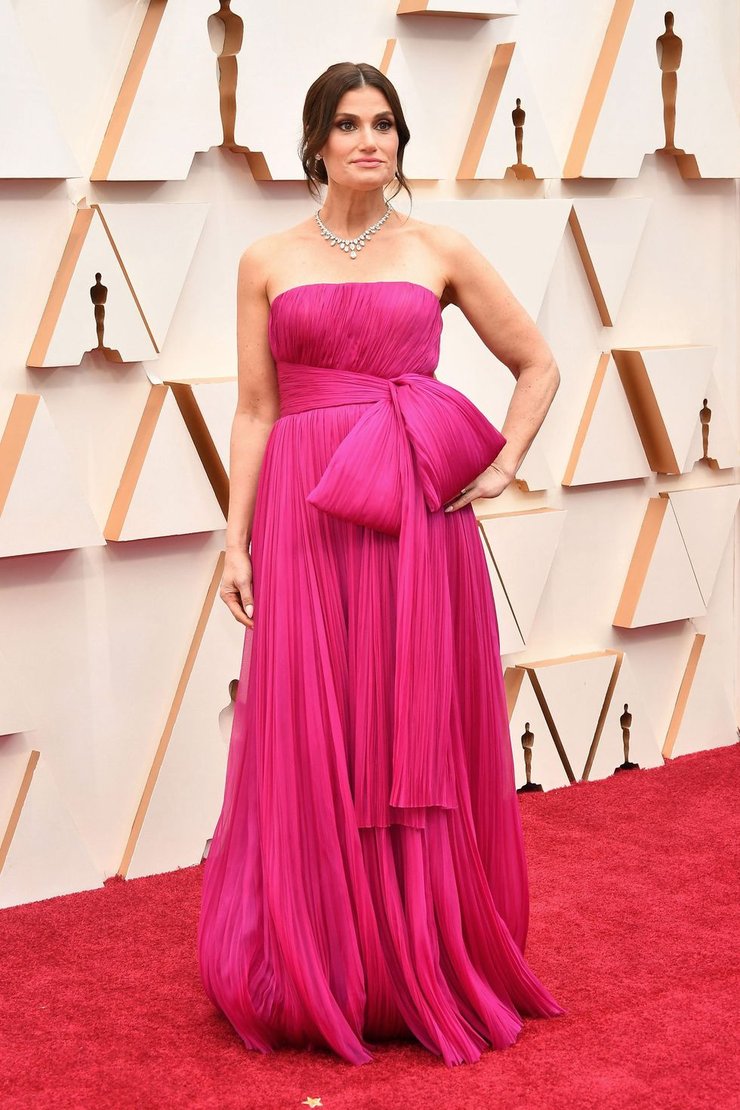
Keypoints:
pixel 658 86
pixel 626 734
pixel 92 305
pixel 665 387
pixel 15 700
pixel 32 141
pixel 607 232
pixel 523 546
pixel 42 503
pixel 183 793
pixel 573 692
pixel 163 490
pixel 207 406
pixel 464 9
pixel 607 445
pixel 508 136
pixel 41 851
pixel 660 585
pixel 509 634
pixel 702 716
pixel 168 104
pixel 157 243
pixel 705 517
pixel 530 733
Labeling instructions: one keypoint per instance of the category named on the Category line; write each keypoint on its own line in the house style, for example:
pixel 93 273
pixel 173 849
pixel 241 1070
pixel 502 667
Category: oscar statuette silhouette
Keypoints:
pixel 528 743
pixel 519 169
pixel 626 721
pixel 226 35
pixel 705 419
pixel 669 48
pixel 99 296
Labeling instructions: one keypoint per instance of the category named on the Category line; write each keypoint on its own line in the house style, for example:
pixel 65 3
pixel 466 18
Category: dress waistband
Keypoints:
pixel 418 444
pixel 305 387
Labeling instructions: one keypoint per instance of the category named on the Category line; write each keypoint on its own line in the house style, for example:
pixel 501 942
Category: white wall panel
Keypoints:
pixel 613 254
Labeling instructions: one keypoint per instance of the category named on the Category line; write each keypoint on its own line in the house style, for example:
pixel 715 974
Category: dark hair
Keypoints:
pixel 320 107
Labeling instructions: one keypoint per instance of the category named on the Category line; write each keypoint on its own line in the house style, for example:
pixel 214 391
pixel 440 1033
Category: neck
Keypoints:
pixel 347 212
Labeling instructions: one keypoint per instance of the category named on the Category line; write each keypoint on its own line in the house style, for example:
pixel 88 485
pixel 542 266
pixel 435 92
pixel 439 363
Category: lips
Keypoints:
pixel 368 161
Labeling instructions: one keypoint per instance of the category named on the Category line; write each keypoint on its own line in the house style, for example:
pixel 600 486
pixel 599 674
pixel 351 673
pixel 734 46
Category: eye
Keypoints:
pixel 389 123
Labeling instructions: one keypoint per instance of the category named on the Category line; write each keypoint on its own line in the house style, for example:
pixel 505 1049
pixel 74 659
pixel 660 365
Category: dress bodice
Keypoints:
pixel 379 327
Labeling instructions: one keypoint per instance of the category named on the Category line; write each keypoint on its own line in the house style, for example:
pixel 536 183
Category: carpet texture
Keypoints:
pixel 634 927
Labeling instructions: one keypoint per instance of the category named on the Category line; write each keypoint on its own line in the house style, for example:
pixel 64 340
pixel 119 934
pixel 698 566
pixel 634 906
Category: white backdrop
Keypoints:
pixel 105 669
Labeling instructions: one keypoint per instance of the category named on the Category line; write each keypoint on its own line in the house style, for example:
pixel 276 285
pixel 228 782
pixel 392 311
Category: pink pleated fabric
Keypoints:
pixel 366 879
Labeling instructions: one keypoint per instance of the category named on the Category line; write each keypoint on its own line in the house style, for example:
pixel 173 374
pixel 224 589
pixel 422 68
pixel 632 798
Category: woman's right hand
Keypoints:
pixel 236 586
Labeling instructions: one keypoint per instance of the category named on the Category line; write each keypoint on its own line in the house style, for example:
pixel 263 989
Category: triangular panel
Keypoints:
pixel 607 446
pixel 42 854
pixel 92 305
pixel 523 546
pixel 168 104
pixel 527 720
pixel 660 584
pixel 164 490
pixel 157 243
pixel 572 691
pixel 607 232
pixel 658 86
pixel 665 387
pixel 705 517
pixel 702 717
pixel 508 113
pixel 32 141
pixel 510 638
pixel 625 711
pixel 15 712
pixel 184 791
pixel 42 506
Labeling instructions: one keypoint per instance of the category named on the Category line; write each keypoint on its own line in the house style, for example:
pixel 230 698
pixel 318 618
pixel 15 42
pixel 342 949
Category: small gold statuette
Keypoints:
pixel 528 743
pixel 625 721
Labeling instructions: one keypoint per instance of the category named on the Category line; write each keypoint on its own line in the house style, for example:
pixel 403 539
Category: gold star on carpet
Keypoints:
pixel 312 1101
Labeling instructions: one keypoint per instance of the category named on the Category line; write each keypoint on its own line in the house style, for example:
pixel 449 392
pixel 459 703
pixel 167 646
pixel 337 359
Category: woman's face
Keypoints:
pixel 360 150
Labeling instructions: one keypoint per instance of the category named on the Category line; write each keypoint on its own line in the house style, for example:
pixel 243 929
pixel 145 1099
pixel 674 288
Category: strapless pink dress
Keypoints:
pixel 367 879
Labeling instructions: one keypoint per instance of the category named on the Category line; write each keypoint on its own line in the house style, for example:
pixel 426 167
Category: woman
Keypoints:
pixel 366 879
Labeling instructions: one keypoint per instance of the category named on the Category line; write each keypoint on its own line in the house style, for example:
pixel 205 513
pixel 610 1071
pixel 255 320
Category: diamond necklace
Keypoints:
pixel 353 246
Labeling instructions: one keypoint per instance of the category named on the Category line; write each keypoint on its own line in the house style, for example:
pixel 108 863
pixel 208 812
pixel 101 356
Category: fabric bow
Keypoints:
pixel 418 445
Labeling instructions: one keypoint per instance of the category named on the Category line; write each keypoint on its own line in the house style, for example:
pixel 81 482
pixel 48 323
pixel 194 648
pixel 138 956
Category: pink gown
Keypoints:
pixel 367 879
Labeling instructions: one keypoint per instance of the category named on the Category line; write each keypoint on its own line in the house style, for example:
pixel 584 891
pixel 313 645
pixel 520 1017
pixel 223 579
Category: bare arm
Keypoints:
pixel 511 335
pixel 257 409
pixel 257 406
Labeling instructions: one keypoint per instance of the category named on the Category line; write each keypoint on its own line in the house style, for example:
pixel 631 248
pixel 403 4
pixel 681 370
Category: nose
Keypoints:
pixel 367 138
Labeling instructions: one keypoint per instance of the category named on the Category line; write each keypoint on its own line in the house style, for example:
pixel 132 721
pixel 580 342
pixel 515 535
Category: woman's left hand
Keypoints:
pixel 490 483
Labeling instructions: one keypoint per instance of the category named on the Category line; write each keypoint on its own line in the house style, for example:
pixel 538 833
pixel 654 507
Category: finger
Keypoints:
pixel 238 613
pixel 247 602
pixel 460 501
pixel 243 593
pixel 234 603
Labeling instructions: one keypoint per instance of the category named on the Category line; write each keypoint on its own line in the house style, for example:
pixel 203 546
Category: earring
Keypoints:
pixel 319 158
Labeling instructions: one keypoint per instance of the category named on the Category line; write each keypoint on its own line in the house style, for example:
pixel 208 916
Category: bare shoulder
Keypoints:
pixel 253 259
pixel 466 267
pixel 455 252
pixel 257 262
pixel 484 297
pixel 267 255
pixel 451 244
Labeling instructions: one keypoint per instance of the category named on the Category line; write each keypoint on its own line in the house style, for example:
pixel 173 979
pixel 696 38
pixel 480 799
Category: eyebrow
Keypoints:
pixel 377 115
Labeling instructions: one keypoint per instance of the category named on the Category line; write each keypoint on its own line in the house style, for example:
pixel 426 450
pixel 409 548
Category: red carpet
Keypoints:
pixel 635 928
